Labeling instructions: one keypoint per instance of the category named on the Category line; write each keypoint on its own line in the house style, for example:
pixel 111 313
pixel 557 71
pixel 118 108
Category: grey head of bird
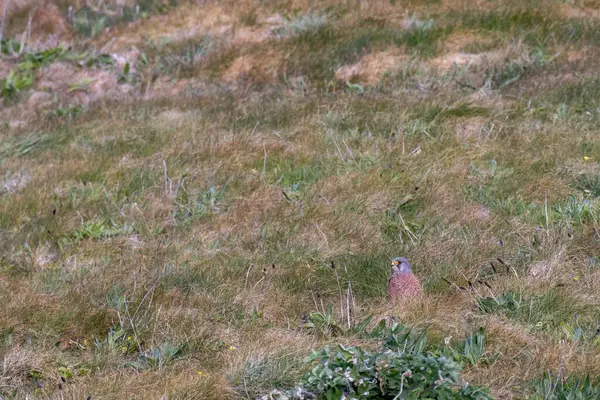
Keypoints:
pixel 400 265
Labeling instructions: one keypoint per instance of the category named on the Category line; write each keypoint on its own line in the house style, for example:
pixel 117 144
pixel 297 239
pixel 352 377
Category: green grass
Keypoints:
pixel 588 183
pixel 545 312
pixel 339 46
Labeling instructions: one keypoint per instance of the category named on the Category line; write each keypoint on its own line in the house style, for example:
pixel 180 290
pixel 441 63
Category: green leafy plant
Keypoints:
pixel 99 60
pixel 507 302
pixel 98 228
pixel 125 76
pixel 323 323
pixel 190 207
pixel 69 110
pixel 23 75
pixel 404 368
pixel 576 210
pixel 404 339
pixel 44 57
pixel 114 338
pixel 158 356
pixel 65 372
pixel 589 183
pixel 571 333
pixel 10 46
pixel 351 372
pixel 118 341
pixel 101 228
pixel 558 388
pixel 16 82
pixel 471 349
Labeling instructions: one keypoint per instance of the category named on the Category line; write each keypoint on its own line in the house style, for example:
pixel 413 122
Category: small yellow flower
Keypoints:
pixel 575 278
pixel 586 158
pixel 200 373
pixel 232 348
pixel 128 337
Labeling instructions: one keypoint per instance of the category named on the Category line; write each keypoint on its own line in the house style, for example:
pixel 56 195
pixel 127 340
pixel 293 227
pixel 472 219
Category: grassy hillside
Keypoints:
pixel 176 182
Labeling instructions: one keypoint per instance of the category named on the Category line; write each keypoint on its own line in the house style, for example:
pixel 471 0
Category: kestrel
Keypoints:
pixel 403 284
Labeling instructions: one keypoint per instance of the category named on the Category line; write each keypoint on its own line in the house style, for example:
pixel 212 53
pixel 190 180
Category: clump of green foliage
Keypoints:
pixel 559 388
pixel 97 229
pixel 352 371
pixel 23 75
pixel 402 368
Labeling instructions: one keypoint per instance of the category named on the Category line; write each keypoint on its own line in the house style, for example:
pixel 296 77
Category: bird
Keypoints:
pixel 403 284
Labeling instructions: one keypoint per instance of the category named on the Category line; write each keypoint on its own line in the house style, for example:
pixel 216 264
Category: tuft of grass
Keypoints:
pixel 589 184
pixel 258 375
pixel 511 20
pixel 546 312
pixel 401 223
pixel 97 229
pixel 576 211
pixel 472 348
pixel 158 357
pixel 300 25
pixel 560 388
pixel 178 59
pixel 190 207
pixel 509 73
pixel 91 21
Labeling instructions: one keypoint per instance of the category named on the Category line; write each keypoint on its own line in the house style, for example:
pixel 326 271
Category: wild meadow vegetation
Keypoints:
pixel 207 205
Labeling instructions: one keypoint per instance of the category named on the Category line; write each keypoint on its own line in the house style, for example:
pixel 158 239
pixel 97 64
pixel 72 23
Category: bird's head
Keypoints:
pixel 400 265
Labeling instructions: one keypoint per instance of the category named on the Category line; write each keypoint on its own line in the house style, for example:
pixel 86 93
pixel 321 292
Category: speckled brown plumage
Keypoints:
pixel 403 284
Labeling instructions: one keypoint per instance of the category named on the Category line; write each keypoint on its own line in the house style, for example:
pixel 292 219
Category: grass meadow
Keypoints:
pixel 196 235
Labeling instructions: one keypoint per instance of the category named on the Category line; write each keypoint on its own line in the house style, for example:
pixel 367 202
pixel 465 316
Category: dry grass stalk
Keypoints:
pixel 3 18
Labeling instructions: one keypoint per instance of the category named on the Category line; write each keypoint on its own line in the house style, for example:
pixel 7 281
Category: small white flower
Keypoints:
pixel 347 375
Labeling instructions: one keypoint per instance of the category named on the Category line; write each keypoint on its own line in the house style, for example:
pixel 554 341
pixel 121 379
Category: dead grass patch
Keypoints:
pixel 467 41
pixel 469 128
pixel 72 84
pixel 48 23
pixel 259 68
pixel 571 11
pixel 183 23
pixel 371 68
